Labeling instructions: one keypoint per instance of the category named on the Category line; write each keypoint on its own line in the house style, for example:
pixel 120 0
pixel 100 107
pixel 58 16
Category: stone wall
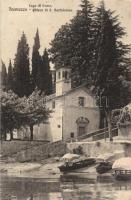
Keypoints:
pixel 97 148
pixel 31 151
pixel 8 148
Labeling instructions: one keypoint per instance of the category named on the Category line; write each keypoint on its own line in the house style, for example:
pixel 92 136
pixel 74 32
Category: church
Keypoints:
pixel 74 111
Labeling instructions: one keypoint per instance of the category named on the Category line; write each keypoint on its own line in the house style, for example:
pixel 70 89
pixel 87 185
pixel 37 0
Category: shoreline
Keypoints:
pixel 30 169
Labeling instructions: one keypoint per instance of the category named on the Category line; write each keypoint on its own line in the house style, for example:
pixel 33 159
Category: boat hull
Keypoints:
pixel 104 167
pixel 122 175
pixel 77 167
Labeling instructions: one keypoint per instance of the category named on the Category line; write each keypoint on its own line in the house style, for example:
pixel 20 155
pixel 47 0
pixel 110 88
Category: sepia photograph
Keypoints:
pixel 65 100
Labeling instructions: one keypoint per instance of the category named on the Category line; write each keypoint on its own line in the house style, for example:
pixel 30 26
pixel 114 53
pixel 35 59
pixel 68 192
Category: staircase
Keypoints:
pixel 105 134
pixel 97 135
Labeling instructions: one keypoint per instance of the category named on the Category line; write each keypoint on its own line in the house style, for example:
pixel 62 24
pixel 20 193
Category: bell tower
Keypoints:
pixel 63 80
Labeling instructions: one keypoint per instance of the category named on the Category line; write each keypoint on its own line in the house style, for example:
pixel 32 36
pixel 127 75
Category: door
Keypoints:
pixel 81 130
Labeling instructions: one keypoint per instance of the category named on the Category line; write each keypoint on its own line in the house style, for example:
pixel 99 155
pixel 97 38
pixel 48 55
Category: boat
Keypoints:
pixel 73 162
pixel 122 169
pixel 103 167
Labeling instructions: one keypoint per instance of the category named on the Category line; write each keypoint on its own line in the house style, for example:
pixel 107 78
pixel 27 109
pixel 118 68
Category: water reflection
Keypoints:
pixel 67 188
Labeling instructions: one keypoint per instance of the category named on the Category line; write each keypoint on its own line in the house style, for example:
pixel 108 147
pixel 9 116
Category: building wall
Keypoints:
pixel 61 88
pixel 63 84
pixel 72 98
pixel 72 114
pixel 72 111
pixel 42 132
pixel 63 118
pixel 52 130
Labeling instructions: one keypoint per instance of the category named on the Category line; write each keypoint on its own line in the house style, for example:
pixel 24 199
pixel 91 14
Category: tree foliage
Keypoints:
pixel 46 74
pixel 21 68
pixel 3 76
pixel 19 79
pixel 41 75
pixel 36 61
pixel 109 66
pixel 10 76
pixel 91 44
pixel 72 45
pixel 26 111
pixel 33 110
pixel 10 118
pixel 110 62
pixel 122 117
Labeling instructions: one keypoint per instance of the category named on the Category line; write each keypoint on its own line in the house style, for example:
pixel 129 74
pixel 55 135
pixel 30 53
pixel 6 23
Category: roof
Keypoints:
pixel 122 163
pixel 83 86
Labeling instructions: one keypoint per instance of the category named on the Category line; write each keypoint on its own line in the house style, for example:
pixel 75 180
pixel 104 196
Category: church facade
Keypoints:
pixel 74 111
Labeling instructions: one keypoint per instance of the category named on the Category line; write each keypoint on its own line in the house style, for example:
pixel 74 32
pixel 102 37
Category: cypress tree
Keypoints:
pixel 21 68
pixel 44 77
pixel 36 60
pixel 10 77
pixel 48 75
pixel 3 76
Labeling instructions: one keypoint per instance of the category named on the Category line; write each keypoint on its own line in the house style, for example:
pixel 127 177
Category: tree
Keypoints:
pixel 19 112
pixel 82 31
pixel 122 117
pixel 21 68
pixel 36 60
pixel 3 76
pixel 73 44
pixel 44 77
pixel 91 44
pixel 47 73
pixel 34 110
pixel 10 118
pixel 110 62
pixel 60 50
pixel 10 77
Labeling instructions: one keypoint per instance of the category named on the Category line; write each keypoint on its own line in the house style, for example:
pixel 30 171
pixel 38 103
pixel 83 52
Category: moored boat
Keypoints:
pixel 122 174
pixel 73 162
pixel 104 167
pixel 122 168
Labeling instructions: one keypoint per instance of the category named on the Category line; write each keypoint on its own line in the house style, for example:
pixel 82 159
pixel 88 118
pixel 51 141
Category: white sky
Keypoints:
pixel 14 23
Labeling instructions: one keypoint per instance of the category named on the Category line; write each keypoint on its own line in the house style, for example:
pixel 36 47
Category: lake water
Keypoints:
pixel 65 188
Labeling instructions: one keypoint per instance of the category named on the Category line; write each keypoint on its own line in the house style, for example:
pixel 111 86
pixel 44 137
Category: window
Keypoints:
pixel 63 74
pixel 53 104
pixel 58 75
pixel 72 135
pixel 66 73
pixel 81 101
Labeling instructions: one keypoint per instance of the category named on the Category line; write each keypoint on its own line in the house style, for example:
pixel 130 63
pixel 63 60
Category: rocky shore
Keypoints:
pixel 46 169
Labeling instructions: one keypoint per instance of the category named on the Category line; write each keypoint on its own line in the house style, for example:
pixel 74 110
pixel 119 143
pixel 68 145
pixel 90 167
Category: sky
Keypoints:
pixel 13 23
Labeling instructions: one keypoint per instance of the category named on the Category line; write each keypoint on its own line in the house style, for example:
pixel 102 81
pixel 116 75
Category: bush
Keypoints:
pixel 78 150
